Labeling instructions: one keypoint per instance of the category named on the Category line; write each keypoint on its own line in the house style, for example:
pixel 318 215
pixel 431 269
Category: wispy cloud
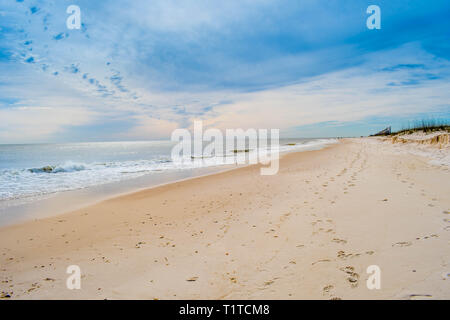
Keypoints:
pixel 146 67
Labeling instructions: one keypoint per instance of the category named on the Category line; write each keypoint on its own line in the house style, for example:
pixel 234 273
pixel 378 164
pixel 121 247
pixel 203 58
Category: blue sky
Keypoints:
pixel 139 69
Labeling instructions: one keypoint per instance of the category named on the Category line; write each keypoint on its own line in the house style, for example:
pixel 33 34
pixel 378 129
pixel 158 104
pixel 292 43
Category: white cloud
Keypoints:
pixel 350 95
pixel 148 128
pixel 39 124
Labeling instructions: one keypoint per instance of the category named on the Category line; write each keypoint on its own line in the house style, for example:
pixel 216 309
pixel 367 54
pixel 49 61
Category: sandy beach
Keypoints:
pixel 309 232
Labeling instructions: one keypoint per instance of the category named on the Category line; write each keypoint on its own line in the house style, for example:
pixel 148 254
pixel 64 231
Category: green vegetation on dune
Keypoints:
pixel 426 126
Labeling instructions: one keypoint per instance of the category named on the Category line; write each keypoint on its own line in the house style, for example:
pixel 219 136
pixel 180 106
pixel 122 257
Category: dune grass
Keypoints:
pixel 429 125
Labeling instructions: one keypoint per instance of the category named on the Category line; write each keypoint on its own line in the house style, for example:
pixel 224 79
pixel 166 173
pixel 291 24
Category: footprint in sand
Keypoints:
pixel 321 260
pixel 352 276
pixel 402 244
pixel 192 279
pixel 268 283
pixel 285 216
pixel 339 241
pixel 342 255
pixel 326 290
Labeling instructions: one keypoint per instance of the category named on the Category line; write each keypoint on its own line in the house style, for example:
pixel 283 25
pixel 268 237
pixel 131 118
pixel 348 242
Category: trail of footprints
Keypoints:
pixel 327 226
pixel 427 237
pixel 410 243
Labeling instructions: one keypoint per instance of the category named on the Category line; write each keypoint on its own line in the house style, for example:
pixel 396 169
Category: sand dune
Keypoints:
pixel 438 139
pixel 309 232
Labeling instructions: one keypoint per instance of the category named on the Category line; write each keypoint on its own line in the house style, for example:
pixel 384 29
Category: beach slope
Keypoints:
pixel 309 232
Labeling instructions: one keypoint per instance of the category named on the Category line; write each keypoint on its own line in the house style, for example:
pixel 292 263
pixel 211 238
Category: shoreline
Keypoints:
pixel 209 171
pixel 58 203
pixel 55 203
pixel 308 232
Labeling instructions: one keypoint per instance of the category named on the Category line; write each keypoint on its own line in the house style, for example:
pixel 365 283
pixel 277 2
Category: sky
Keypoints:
pixel 137 70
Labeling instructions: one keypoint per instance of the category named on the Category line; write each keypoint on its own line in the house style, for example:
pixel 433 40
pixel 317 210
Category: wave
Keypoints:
pixel 67 167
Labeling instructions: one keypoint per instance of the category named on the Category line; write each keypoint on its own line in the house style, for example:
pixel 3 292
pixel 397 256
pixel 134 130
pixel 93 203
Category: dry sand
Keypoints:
pixel 309 232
